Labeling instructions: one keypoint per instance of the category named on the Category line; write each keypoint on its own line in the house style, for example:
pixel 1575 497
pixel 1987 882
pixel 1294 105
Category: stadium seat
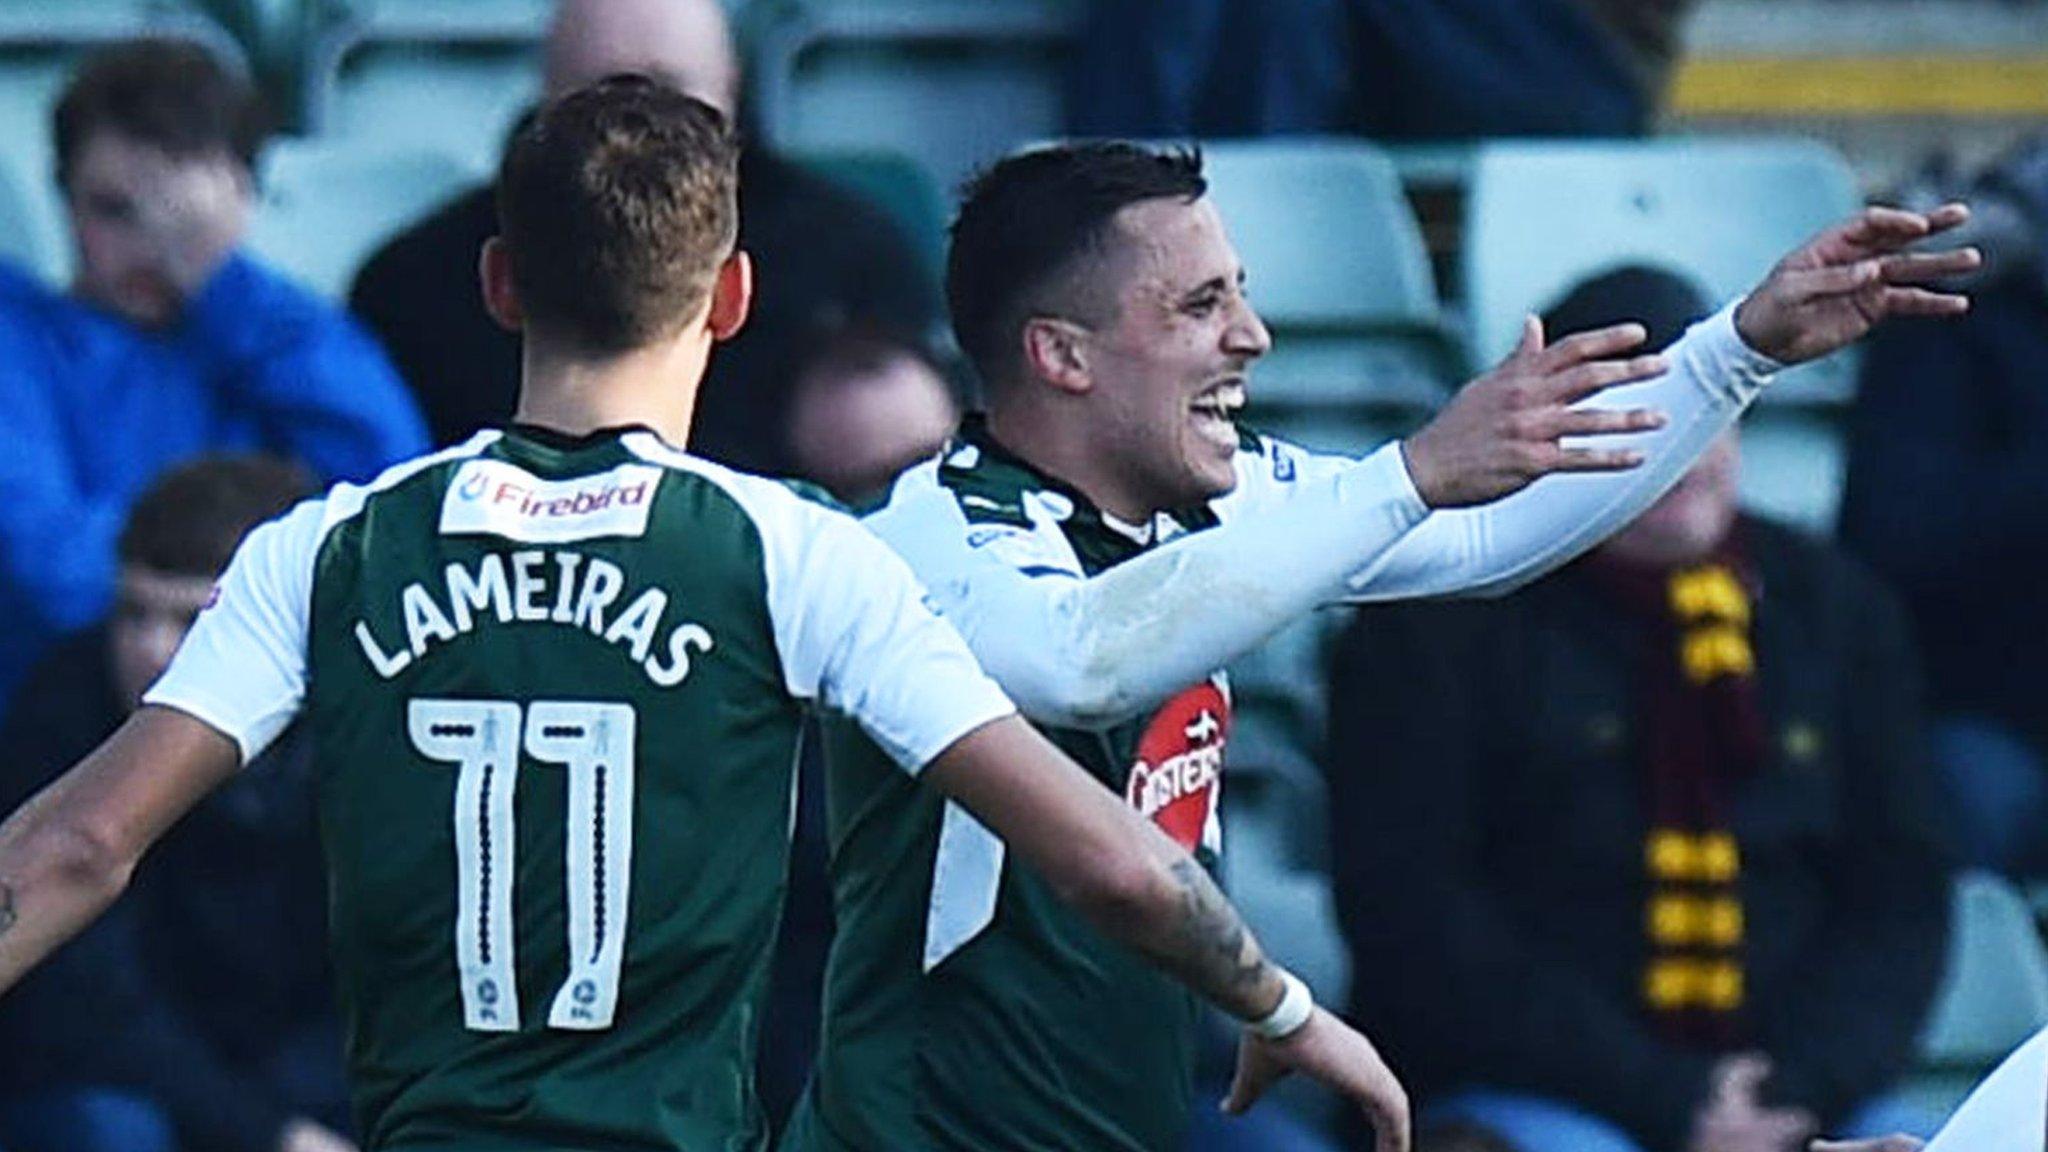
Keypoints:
pixel 895 182
pixel 951 83
pixel 1336 267
pixel 328 204
pixel 1994 994
pixel 1542 216
pixel 448 75
pixel 29 239
pixel 1793 458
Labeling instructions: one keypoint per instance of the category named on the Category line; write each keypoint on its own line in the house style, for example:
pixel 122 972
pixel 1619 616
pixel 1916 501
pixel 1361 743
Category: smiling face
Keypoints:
pixel 1167 372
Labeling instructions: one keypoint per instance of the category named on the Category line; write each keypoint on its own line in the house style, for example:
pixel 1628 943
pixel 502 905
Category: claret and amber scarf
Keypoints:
pixel 1703 733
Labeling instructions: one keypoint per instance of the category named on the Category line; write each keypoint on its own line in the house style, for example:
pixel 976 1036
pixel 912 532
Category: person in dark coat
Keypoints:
pixel 823 257
pixel 1947 497
pixel 1647 855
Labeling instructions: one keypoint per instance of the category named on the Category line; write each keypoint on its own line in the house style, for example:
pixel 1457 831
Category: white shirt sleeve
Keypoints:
pixel 1495 548
pixel 1304 531
pixel 856 635
pixel 242 667
pixel 1089 652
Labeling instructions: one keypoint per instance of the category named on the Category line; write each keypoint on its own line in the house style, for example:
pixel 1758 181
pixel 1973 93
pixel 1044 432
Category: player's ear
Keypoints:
pixel 501 296
pixel 1056 351
pixel 732 296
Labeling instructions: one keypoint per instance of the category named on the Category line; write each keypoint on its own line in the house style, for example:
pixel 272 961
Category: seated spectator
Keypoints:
pixel 822 256
pixel 201 1006
pixel 1445 70
pixel 171 343
pixel 1948 480
pixel 1645 856
pixel 862 408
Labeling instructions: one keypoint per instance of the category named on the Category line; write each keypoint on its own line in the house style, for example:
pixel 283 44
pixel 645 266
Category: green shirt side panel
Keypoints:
pixel 1039 1035
pixel 711 775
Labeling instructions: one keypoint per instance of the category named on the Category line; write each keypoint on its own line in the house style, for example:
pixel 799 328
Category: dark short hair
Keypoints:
pixel 1025 220
pixel 192 517
pixel 1663 301
pixel 616 205
pixel 175 95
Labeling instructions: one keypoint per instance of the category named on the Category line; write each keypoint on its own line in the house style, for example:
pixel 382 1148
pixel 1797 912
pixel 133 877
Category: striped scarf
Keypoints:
pixel 1703 732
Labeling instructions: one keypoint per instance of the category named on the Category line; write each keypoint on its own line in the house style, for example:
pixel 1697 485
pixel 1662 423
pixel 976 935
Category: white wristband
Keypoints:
pixel 1290 1015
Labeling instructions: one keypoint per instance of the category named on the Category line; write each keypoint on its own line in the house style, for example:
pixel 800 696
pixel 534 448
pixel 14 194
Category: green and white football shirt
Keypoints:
pixel 966 1010
pixel 555 687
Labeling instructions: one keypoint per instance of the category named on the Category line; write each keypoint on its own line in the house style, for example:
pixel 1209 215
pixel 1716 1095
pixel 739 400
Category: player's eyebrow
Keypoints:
pixel 1215 285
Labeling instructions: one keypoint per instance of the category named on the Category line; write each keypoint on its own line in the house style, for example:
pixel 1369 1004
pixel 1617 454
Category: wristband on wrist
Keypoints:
pixel 1296 1005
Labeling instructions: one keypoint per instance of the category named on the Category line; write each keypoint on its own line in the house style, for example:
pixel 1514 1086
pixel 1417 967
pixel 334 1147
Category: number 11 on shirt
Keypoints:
pixel 484 740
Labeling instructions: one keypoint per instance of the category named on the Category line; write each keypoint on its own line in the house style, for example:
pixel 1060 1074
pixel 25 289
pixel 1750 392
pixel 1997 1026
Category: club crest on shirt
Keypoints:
pixel 1177 776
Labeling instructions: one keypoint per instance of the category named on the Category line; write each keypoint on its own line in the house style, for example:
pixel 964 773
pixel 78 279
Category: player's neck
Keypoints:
pixel 655 386
pixel 1065 451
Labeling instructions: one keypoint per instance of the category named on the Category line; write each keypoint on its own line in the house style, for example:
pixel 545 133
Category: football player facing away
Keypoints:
pixel 1107 537
pixel 555 677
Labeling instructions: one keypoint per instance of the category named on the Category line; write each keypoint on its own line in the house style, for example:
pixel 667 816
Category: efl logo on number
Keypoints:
pixel 499 498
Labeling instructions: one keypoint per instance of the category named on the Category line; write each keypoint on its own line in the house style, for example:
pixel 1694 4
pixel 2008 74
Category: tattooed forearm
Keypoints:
pixel 1213 952
pixel 7 916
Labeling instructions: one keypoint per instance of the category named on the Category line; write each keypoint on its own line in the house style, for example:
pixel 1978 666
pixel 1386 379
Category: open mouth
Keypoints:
pixel 1216 412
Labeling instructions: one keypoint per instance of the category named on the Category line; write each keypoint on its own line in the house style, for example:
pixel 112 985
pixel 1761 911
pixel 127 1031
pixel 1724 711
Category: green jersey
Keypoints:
pixel 966 1007
pixel 555 687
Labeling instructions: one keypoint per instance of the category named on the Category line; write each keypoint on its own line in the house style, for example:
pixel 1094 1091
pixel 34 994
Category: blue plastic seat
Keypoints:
pixel 951 83
pixel 328 204
pixel 447 75
pixel 30 237
pixel 1336 267
pixel 1993 995
pixel 1543 216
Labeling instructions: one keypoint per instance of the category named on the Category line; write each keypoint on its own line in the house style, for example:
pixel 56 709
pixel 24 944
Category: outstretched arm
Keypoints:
pixel 1403 521
pixel 1820 298
pixel 68 852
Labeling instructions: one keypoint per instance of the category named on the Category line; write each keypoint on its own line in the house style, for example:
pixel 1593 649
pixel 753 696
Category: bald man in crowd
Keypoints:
pixel 825 257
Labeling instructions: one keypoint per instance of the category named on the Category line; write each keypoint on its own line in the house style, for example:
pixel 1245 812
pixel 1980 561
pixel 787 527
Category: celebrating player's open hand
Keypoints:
pixel 1844 281
pixel 1336 1054
pixel 1501 432
pixel 1837 287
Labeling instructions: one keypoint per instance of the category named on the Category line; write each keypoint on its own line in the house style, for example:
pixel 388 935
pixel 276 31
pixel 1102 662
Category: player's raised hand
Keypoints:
pixel 1502 431
pixel 1335 1054
pixel 1842 283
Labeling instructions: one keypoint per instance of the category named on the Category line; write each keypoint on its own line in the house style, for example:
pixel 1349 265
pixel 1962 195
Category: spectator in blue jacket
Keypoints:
pixel 171 342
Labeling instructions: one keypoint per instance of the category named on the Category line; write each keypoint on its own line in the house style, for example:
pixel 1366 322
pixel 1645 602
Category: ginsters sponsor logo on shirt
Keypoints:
pixel 502 499
pixel 1178 774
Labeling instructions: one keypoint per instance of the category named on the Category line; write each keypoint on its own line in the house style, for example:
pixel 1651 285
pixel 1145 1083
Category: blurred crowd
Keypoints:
pixel 1654 855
